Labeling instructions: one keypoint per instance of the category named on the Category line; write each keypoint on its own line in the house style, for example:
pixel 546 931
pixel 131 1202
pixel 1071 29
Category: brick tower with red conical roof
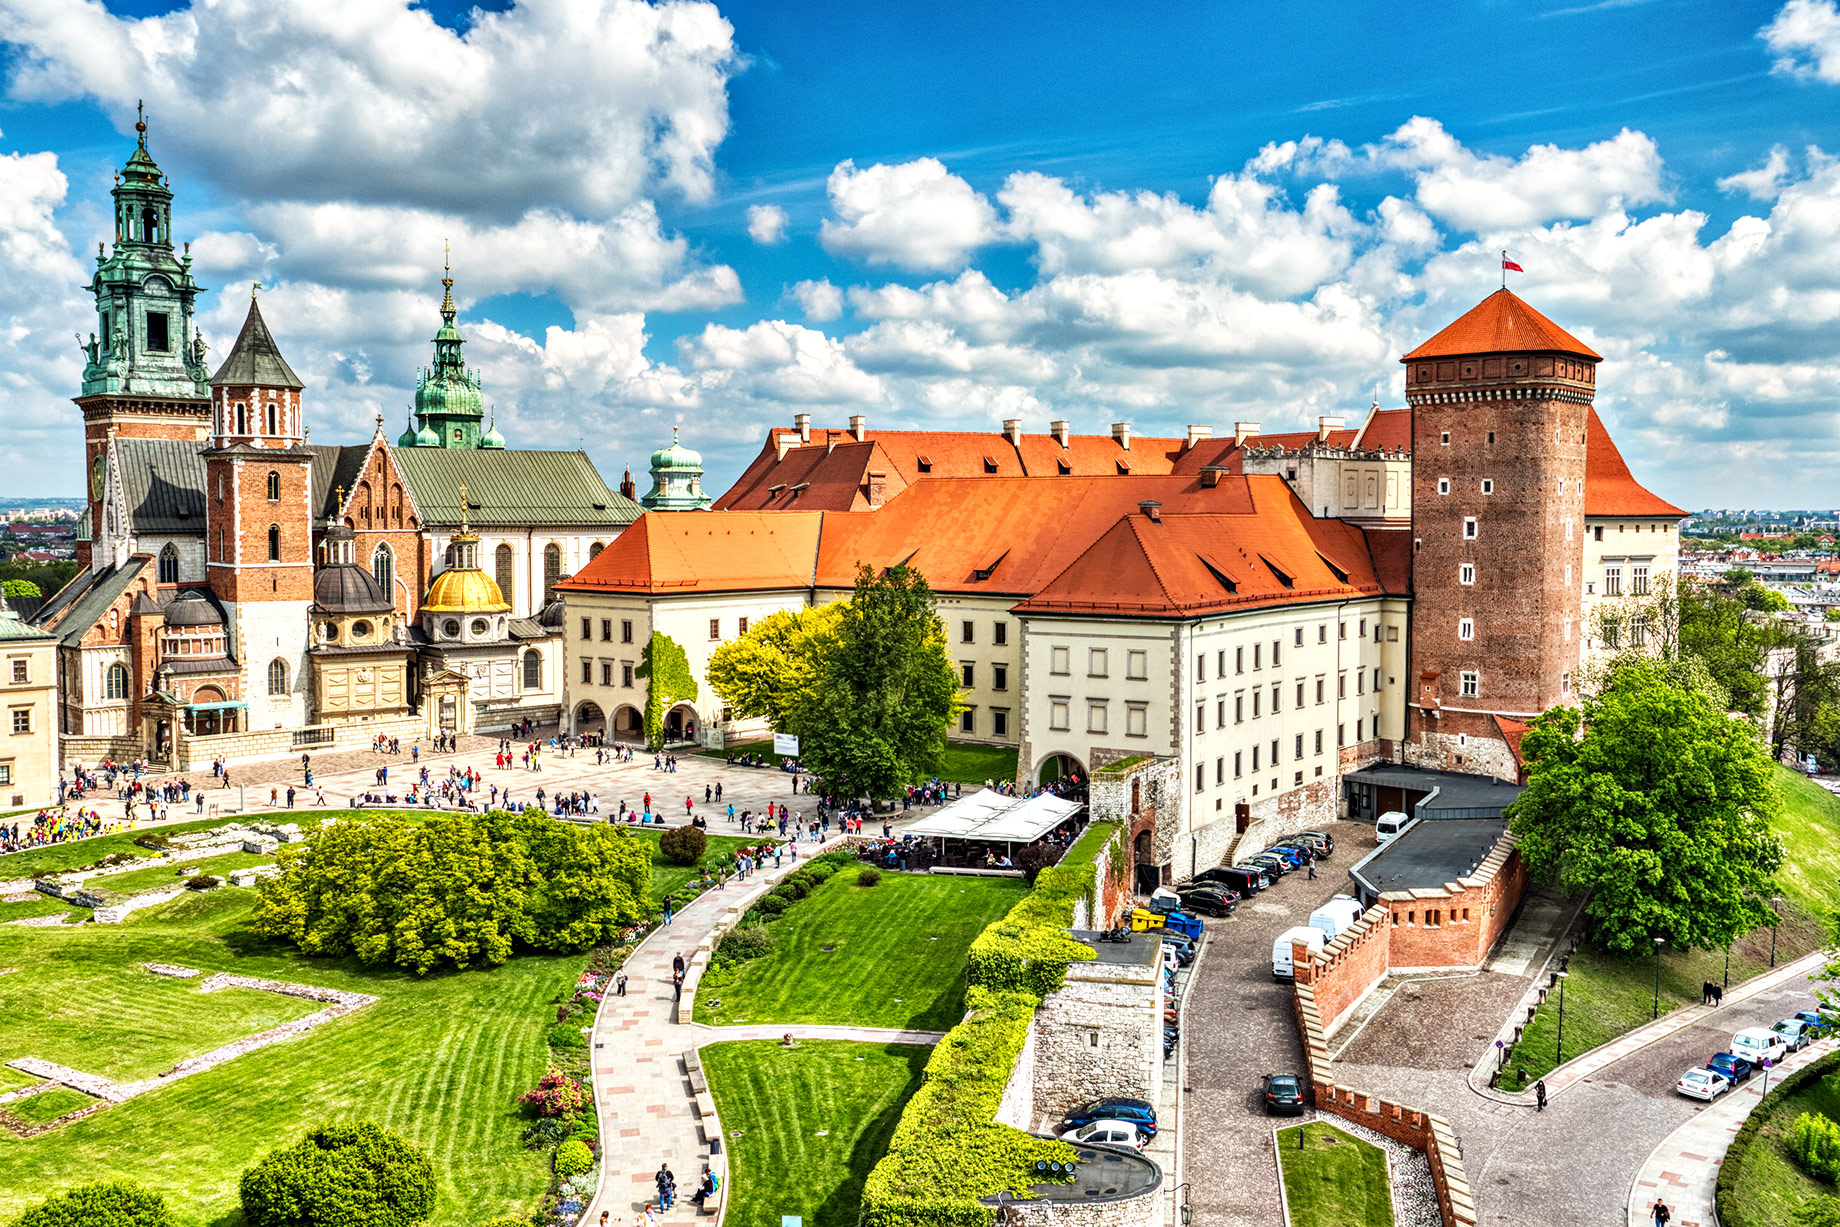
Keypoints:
pixel 1499 401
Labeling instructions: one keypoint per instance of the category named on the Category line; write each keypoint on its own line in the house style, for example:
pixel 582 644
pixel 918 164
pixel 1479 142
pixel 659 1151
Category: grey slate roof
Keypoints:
pixel 164 483
pixel 335 468
pixel 94 599
pixel 513 488
pixel 255 360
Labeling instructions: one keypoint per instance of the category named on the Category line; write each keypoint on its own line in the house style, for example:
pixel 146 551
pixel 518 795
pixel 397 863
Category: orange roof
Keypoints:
pixel 1512 731
pixel 1185 565
pixel 705 551
pixel 1501 323
pixel 1391 549
pixel 1386 430
pixel 1609 487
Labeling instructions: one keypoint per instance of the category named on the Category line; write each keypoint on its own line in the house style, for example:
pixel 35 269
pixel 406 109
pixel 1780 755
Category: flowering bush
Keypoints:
pixel 556 1094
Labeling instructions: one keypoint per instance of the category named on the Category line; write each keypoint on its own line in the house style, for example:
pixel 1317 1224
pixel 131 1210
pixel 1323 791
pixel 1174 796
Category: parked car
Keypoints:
pixel 1285 852
pixel 1303 853
pixel 1735 1068
pixel 1107 1133
pixel 1795 1033
pixel 1703 1084
pixel 1272 866
pixel 1322 840
pixel 1245 880
pixel 1759 1044
pixel 1283 1095
pixel 1139 1112
pixel 1184 948
pixel 1282 954
pixel 1210 900
pixel 1820 1020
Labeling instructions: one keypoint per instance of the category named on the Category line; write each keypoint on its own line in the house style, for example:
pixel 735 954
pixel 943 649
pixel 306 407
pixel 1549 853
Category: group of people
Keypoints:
pixel 53 827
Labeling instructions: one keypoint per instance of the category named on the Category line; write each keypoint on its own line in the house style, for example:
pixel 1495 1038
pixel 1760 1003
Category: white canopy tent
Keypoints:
pixel 991 817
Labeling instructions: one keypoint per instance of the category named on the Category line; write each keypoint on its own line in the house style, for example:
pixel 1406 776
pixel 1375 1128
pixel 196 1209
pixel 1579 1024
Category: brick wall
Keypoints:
pixel 1457 925
pixel 244 514
pixel 1343 972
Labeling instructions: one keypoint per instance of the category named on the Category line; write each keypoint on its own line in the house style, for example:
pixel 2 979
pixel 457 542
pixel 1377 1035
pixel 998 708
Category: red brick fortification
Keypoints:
pixel 1457 925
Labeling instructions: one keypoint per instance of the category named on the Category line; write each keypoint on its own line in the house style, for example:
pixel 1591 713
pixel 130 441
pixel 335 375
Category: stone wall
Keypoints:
pixel 1143 1210
pixel 265 745
pixel 1100 1033
pixel 115 913
pixel 1018 1105
pixel 1346 969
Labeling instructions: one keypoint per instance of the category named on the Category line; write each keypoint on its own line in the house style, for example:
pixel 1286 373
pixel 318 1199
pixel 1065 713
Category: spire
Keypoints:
pixel 447 285
pixel 255 360
pixel 140 123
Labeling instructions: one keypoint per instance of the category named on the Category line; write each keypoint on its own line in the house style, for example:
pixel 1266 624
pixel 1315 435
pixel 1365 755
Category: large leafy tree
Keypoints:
pixel 1658 805
pixel 1716 628
pixel 769 673
pixel 884 691
pixel 458 889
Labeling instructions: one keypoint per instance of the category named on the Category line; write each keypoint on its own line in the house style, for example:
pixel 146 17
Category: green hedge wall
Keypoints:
pixel 1731 1213
pixel 1029 949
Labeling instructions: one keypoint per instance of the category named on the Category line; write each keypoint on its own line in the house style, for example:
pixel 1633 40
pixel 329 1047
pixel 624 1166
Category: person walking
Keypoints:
pixel 1539 1095
pixel 1309 861
pixel 1661 1213
pixel 667 909
pixel 677 964
pixel 619 983
pixel 677 994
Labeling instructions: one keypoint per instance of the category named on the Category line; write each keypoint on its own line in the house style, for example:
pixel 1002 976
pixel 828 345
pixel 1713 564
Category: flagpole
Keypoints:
pixel 1504 268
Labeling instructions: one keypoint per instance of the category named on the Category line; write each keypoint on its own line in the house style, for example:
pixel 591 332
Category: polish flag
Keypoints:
pixel 1509 265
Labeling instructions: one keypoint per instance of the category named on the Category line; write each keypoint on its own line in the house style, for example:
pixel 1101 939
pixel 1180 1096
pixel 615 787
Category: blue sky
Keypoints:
pixel 718 216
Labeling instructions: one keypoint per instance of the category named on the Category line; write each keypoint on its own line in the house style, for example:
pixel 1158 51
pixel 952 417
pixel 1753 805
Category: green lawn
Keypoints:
pixel 56 858
pixel 1770 1186
pixel 166 873
pixel 964 763
pixel 440 1059
pixel 1335 1180
pixel 43 905
pixel 805 1125
pixel 1606 995
pixel 898 957
pixel 49 1105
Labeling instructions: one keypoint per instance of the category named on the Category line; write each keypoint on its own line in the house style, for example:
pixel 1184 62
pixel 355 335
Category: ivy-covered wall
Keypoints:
pixel 668 682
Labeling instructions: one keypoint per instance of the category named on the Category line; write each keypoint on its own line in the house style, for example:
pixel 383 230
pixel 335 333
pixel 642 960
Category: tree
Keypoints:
pixel 1717 629
pixel 1804 694
pixel 359 1175
pixel 113 1203
pixel 683 845
pixel 457 889
pixel 668 682
pixel 885 690
pixel 769 672
pixel 1660 812
pixel 19 587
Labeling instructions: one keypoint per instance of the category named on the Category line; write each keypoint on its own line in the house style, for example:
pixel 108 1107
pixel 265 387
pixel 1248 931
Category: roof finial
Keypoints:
pixel 463 507
pixel 140 122
pixel 447 282
pixel 673 436
pixel 253 287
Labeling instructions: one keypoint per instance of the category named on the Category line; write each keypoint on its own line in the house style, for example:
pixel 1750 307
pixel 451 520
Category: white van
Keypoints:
pixel 1389 825
pixel 1756 1044
pixel 1281 968
pixel 1336 915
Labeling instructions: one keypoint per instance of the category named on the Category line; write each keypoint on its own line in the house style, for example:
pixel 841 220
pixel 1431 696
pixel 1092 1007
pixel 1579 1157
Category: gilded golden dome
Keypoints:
pixel 464 590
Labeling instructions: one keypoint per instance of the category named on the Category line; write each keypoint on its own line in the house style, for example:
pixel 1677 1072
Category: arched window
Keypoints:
pixel 274 543
pixel 115 682
pixel 274 486
pixel 533 669
pixel 552 571
pixel 242 418
pixel 277 676
pixel 383 570
pixel 169 564
pixel 594 551
pixel 268 418
pixel 501 566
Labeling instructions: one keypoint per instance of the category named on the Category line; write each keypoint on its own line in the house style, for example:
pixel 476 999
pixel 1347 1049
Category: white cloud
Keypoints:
pixel 1761 182
pixel 766 224
pixel 1805 35
pixel 914 215
pixel 819 300
pixel 778 360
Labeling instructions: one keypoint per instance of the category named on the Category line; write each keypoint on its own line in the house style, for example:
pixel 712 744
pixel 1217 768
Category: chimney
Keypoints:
pixel 801 422
pixel 785 441
pixel 1210 475
pixel 878 487
pixel 1243 431
pixel 1152 509
pixel 859 426
pixel 1121 431
pixel 1324 425
pixel 1012 430
pixel 1059 430
pixel 1198 433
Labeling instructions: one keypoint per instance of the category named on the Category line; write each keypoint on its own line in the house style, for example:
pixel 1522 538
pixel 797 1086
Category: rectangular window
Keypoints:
pixel 1255 758
pixel 158 338
pixel 1256 695
pixel 1319 733
pixel 1488 487
pixel 1200 777
pixel 1136 720
pixel 1257 651
pixel 1444 440
pixel 1341 685
pixel 1443 485
pixel 587 672
pixel 1236 770
pixel 1220 663
pixel 1597 532
pixel 625 631
pixel 6 769
pixel 20 674
pixel 1297 641
pixel 606 673
pixel 1136 666
pixel 1299 692
pixel 1638 579
pixel 1095 662
pixel 1565 683
pixel 1322 633
pixel 1220 714
pixel 1568 630
pixel 1057 714
pixel 607 630
pixel 1239 660
pixel 1058 661
pixel 1360 682
pixel 1466 628
pixel 22 720
pixel 1274 755
pixel 1466 573
pixel 587 628
pixel 1568 528
pixel 1275 687
pixel 999 721
pixel 967 720
pixel 1201 668
pixel 1220 771
pixel 715 629
pixel 1239 708
pixel 999 677
pixel 1276 660
pixel 967 674
pixel 1341 630
pixel 1469 528
pixel 1363 631
pixel 626 675
pixel 1341 731
pixel 967 632
pixel 1095 715
pixel 1360 733
pixel 1319 689
pixel 741 627
pixel 1299 753
pixel 1201 718
pixel 999 633
pixel 1471 684
pixel 1376 679
pixel 1568 575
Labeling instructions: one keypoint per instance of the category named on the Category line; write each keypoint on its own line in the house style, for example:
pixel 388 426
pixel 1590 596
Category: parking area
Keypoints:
pixel 1238 1026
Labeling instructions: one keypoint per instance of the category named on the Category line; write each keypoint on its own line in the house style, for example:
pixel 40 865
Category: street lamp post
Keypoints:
pixel 1559 1052
pixel 1775 919
pixel 1658 944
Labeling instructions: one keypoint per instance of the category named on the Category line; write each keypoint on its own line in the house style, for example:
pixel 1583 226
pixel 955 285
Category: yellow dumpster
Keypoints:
pixel 1144 918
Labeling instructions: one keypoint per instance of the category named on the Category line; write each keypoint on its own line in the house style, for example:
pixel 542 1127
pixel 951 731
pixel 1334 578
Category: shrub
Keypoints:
pixel 546 1132
pixel 771 906
pixel 566 1035
pixel 506 1220
pixel 869 877
pixel 683 845
pixel 586 1129
pixel 114 1203
pixel 573 1158
pixel 338 1175
pixel 1814 1140
pixel 556 1094
pixel 203 881
pixel 746 942
pixel 793 888
pixel 784 891
pixel 820 874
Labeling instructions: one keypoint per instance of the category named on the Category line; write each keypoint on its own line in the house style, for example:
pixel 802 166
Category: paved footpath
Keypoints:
pixel 1684 1168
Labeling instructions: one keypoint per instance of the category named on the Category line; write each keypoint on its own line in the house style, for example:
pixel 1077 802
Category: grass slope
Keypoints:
pixel 49 1105
pixel 166 873
pixel 1606 995
pixel 1335 1180
pixel 812 1121
pixel 56 858
pixel 440 1059
pixel 1771 1187
pixel 886 969
pixel 667 876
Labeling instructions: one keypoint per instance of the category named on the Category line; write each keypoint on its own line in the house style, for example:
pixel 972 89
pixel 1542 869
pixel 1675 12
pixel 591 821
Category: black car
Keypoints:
pixel 1242 880
pixel 1139 1112
pixel 1209 900
pixel 1283 1095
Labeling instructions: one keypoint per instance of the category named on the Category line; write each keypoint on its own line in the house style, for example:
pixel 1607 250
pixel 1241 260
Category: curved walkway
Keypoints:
pixel 1684 1169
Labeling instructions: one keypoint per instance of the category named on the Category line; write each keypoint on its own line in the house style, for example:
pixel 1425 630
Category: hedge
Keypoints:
pixel 1730 1212
pixel 114 1203
pixel 1029 948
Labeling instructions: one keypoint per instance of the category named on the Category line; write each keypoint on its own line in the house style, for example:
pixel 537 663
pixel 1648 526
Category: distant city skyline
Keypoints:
pixel 717 216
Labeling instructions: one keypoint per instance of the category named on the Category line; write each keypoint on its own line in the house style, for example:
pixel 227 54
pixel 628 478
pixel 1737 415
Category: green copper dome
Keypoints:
pixel 677 480
pixel 676 458
pixel 449 398
pixel 492 439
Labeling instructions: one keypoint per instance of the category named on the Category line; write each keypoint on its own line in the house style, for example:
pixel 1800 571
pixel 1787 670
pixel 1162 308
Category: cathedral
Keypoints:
pixel 249 594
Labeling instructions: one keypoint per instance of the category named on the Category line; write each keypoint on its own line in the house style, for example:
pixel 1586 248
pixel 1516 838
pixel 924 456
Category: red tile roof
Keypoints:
pixel 1386 430
pixel 705 551
pixel 1501 323
pixel 1609 487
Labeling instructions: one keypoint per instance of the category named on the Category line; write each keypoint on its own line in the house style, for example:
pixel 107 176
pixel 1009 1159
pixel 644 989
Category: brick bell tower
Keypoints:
pixel 258 523
pixel 1499 403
